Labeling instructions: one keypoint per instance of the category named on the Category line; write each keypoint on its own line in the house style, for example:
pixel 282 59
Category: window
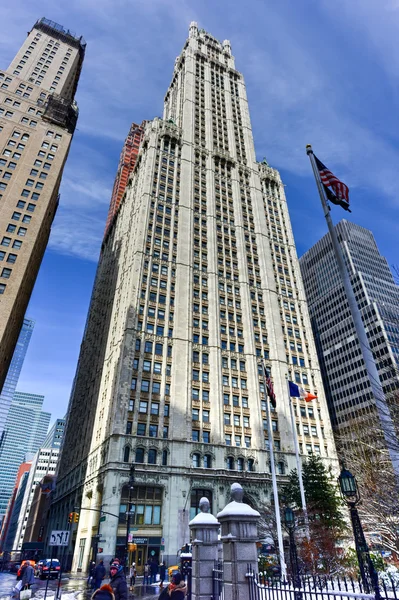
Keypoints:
pixel 206 437
pixel 126 454
pixel 195 435
pixel 227 439
pixel 152 456
pixel 240 464
pixel 196 461
pixel 141 427
pixel 139 455
pixel 145 385
pixel 227 419
pixel 11 258
pixel 164 458
pixel 6 273
pixel 148 348
pixel 22 231
pixel 207 461
pixel 143 407
pixel 154 408
pixel 6 241
pixel 2 288
pixel 250 464
pixel 16 244
pixel 195 414
pixel 129 426
pixel 230 463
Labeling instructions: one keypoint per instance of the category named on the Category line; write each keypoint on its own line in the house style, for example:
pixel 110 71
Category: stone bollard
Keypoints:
pixel 204 539
pixel 239 537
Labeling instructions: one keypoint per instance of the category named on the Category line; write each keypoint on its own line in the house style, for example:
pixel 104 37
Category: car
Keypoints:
pixel 49 568
pixel 19 572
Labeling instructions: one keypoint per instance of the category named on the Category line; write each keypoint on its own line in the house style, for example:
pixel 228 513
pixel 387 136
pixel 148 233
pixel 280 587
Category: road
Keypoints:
pixel 71 584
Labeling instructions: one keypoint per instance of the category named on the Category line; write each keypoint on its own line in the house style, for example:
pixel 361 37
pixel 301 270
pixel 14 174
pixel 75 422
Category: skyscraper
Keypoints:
pixel 14 371
pixel 12 509
pixel 126 165
pixel 198 281
pixel 44 463
pixel 38 116
pixel 345 379
pixel 26 428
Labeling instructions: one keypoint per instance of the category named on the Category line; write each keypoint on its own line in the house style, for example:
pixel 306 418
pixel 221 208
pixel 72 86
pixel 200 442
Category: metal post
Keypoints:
pixel 294 563
pixel 368 573
pixel 371 368
pixel 283 566
pixel 298 465
pixel 131 486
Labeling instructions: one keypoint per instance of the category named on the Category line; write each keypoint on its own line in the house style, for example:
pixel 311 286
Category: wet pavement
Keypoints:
pixel 73 586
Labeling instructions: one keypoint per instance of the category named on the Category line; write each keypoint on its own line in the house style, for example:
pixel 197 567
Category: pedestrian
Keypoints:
pixel 118 581
pixel 28 576
pixel 98 575
pixel 175 590
pixel 105 592
pixel 146 573
pixel 162 573
pixel 132 574
pixel 91 573
pixel 153 570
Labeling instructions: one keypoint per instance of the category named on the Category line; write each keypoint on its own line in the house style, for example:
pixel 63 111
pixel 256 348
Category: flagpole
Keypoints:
pixel 371 367
pixel 298 465
pixel 283 567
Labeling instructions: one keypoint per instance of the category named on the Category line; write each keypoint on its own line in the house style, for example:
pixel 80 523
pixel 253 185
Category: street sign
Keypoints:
pixel 59 538
pixel 103 518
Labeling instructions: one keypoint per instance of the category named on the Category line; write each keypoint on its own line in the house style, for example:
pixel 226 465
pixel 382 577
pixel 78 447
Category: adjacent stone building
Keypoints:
pixel 198 281
pixel 38 116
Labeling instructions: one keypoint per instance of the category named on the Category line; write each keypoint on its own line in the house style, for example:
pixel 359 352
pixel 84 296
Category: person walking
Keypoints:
pixel 146 573
pixel 162 574
pixel 153 570
pixel 176 590
pixel 90 580
pixel 28 576
pixel 98 575
pixel 105 592
pixel 132 574
pixel 118 581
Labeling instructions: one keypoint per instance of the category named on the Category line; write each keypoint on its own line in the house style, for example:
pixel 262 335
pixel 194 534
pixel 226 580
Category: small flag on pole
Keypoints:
pixel 299 392
pixel 270 388
pixel 340 191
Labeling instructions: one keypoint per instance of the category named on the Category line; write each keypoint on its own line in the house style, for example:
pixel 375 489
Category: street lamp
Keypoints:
pixel 128 514
pixel 289 521
pixel 350 492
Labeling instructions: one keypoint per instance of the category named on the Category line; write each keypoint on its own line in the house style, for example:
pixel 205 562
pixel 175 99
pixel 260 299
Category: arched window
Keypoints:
pixel 196 460
pixel 126 454
pixel 230 463
pixel 281 468
pixel 208 461
pixel 152 456
pixel 240 464
pixel 250 464
pixel 139 455
pixel 164 458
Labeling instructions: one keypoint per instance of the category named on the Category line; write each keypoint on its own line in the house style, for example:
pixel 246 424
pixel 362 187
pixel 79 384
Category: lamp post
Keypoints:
pixel 128 514
pixel 350 492
pixel 289 521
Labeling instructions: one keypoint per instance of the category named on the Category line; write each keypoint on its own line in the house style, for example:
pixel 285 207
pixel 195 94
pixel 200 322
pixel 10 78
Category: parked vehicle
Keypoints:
pixel 49 568
pixel 19 572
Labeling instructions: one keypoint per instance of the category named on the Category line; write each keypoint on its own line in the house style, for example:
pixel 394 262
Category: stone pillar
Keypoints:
pixel 239 537
pixel 204 530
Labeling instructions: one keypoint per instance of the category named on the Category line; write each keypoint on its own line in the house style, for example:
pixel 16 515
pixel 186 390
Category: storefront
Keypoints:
pixel 148 548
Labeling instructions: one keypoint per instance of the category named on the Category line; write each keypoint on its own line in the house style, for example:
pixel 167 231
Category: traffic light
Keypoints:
pixel 76 517
pixel 70 517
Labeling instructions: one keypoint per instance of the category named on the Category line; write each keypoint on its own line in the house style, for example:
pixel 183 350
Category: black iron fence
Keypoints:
pixel 318 588
pixel 217 581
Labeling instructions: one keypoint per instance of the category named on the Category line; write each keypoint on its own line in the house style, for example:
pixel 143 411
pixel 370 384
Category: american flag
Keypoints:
pixel 328 179
pixel 270 388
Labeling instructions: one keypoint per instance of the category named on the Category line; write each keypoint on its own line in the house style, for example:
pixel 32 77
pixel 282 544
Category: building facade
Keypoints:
pixel 126 165
pixel 25 430
pixel 44 463
pixel 346 382
pixel 38 116
pixel 10 514
pixel 198 281
pixel 14 371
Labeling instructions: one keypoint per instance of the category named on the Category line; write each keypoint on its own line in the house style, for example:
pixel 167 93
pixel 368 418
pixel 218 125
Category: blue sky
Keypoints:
pixel 317 72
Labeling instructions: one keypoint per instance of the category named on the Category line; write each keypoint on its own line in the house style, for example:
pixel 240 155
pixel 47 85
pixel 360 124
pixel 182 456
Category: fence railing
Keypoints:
pixel 315 587
pixel 217 581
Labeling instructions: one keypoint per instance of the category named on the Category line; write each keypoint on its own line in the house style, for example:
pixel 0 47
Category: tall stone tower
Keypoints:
pixel 198 280
pixel 37 119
